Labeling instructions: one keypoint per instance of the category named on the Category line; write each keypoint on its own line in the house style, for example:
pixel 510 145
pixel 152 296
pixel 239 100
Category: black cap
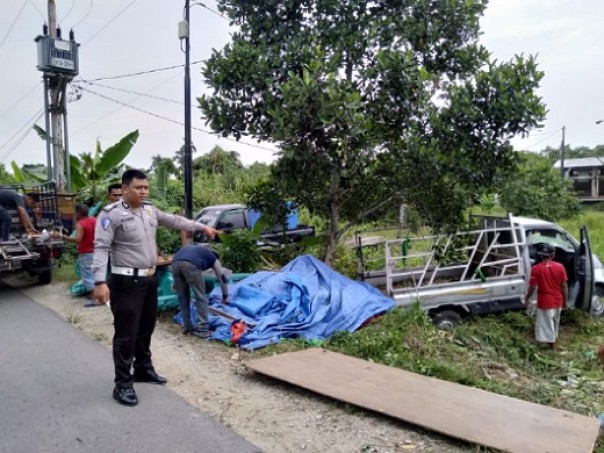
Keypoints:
pixel 547 250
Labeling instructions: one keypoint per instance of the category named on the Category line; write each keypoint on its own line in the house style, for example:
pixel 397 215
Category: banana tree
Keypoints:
pixel 91 172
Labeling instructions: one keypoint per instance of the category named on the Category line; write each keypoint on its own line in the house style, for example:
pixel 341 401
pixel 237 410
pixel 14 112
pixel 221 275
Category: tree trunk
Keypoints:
pixel 334 217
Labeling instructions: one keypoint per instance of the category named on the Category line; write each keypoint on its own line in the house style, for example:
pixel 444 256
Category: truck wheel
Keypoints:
pixel 446 319
pixel 45 277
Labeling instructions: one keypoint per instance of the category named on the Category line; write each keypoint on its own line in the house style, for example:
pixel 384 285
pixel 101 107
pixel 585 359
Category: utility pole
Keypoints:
pixel 184 33
pixel 58 60
pixel 56 100
pixel 562 150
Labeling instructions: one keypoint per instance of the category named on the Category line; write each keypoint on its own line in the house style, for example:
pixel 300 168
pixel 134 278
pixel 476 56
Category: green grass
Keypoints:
pixel 65 271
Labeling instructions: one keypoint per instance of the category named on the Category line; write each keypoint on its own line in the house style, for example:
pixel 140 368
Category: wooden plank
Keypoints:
pixel 467 413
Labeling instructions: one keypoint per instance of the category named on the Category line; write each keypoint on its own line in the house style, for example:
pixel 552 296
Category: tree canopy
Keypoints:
pixel 372 103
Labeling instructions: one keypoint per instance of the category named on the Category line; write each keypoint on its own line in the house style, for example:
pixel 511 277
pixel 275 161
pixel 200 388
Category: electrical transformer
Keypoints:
pixel 56 55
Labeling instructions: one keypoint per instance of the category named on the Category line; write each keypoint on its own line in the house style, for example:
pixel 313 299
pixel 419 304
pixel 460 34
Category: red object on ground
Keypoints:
pixel 237 330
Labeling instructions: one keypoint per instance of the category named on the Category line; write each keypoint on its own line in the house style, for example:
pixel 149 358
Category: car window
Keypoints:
pixel 208 217
pixel 552 237
pixel 232 219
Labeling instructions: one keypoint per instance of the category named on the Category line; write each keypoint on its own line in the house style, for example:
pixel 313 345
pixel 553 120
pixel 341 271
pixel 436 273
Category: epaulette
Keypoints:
pixel 148 203
pixel 109 207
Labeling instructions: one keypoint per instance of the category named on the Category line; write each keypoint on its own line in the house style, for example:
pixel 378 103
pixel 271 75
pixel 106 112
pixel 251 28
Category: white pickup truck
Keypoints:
pixel 482 271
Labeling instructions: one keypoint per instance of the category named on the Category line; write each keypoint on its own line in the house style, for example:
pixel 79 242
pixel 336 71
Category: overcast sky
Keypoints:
pixel 120 37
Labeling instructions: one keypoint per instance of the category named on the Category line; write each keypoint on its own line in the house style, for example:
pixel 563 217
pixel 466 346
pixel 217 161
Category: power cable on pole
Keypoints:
pixel 121 107
pixel 30 122
pixel 156 115
pixel 13 24
pixel 149 71
pixel 85 16
pixel 109 23
pixel 123 90
pixel 14 104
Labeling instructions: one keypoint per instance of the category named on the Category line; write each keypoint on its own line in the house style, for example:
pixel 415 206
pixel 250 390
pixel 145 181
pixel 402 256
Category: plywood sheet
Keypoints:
pixel 458 411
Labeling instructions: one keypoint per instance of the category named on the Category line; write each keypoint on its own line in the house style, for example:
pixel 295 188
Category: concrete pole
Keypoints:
pixel 57 97
pixel 49 159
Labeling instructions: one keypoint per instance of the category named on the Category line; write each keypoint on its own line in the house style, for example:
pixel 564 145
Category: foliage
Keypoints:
pixel 537 190
pixel 218 161
pixel 267 199
pixel 5 176
pixel 595 225
pixel 91 173
pixel 348 89
pixel 168 241
pixel 239 252
pixel 165 164
pixel 345 262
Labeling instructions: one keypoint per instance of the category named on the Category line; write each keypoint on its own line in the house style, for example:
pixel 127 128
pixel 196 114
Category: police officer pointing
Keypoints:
pixel 126 230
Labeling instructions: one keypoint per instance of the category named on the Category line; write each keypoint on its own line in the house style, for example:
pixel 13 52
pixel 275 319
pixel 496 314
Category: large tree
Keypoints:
pixel 371 102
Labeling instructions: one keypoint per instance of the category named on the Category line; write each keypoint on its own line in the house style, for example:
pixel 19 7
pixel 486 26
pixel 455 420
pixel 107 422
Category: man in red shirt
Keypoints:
pixel 550 280
pixel 84 237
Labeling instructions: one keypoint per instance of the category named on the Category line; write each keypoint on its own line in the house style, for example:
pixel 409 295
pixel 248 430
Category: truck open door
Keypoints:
pixel 585 267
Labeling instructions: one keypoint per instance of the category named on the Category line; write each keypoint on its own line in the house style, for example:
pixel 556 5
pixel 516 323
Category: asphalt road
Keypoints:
pixel 55 395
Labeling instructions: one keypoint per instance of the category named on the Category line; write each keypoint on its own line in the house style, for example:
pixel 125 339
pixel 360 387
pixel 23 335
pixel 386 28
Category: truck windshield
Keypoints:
pixel 551 237
pixel 208 217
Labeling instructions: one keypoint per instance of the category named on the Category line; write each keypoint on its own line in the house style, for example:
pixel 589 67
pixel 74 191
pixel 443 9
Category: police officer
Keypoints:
pixel 126 230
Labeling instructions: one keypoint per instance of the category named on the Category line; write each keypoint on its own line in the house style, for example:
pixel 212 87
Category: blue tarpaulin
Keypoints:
pixel 305 299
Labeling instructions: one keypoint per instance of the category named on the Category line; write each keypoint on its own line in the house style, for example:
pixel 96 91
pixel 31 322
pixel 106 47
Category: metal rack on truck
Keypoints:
pixel 35 253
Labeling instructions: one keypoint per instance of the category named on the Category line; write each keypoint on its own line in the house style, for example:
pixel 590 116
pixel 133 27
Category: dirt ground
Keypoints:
pixel 275 416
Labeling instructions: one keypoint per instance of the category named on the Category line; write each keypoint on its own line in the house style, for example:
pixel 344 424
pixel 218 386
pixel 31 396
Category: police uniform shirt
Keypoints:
pixel 128 235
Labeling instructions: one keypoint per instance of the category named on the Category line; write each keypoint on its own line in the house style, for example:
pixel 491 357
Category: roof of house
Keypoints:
pixel 581 162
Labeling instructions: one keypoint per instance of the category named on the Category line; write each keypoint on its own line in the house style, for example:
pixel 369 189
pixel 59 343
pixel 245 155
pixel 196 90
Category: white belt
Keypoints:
pixel 133 271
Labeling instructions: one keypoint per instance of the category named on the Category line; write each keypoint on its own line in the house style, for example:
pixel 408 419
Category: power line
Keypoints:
pixel 546 133
pixel 119 108
pixel 171 120
pixel 150 71
pixel 110 22
pixel 209 9
pixel 28 125
pixel 20 99
pixel 85 16
pixel 551 134
pixel 68 12
pixel 37 9
pixel 13 24
pixel 122 90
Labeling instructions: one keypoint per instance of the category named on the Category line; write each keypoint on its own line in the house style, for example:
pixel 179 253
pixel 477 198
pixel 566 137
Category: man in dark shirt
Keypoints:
pixel 187 267
pixel 5 223
pixel 10 199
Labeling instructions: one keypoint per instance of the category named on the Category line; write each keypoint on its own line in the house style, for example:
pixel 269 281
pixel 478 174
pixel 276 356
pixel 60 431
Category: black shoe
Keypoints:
pixel 200 334
pixel 149 376
pixel 126 396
